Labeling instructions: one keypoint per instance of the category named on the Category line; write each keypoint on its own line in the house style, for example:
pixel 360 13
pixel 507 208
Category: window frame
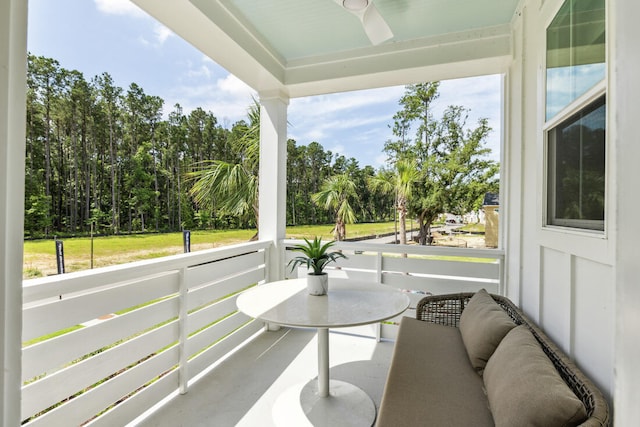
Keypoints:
pixel 580 226
pixel 572 226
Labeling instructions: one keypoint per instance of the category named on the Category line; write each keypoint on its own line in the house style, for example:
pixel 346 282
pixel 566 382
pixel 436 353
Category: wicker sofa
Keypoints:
pixel 444 371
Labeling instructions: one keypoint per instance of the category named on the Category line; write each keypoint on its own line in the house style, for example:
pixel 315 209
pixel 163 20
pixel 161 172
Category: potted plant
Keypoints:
pixel 316 256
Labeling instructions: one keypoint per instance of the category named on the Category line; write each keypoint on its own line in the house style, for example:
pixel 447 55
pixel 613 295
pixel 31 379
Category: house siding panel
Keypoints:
pixel 563 279
pixel 594 291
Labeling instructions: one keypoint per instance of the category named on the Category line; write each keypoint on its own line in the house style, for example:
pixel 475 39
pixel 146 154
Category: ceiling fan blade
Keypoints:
pixel 375 26
pixel 373 23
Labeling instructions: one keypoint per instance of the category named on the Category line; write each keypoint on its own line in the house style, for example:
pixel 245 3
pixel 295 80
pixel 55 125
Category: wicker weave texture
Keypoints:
pixel 447 309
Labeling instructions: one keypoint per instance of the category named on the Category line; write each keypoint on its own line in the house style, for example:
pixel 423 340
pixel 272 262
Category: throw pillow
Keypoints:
pixel 483 324
pixel 524 388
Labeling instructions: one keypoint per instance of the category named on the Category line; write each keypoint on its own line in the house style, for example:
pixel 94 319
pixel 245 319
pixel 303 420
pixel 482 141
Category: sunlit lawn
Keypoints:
pixel 40 259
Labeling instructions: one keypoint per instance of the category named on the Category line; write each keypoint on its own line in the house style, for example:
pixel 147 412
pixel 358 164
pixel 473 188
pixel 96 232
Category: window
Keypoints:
pixel 575 68
pixel 576 154
pixel 575 52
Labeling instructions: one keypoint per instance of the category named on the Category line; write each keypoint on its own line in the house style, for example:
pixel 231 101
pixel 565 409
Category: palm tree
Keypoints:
pixel 335 193
pixel 399 182
pixel 233 187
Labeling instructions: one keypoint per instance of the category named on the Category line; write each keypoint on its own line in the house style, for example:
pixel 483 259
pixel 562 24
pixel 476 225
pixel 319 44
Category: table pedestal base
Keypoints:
pixel 347 405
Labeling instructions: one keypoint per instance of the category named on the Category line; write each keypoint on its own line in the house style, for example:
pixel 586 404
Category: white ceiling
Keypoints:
pixel 306 47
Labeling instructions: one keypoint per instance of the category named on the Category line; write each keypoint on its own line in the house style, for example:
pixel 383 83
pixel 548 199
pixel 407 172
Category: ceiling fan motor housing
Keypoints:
pixel 355 4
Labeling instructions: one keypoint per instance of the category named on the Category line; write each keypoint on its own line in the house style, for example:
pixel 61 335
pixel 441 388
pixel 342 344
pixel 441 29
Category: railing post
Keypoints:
pixel 379 280
pixel 184 332
pixel 501 284
pixel 267 262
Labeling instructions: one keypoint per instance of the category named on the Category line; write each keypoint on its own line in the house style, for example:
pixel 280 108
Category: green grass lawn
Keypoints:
pixel 473 228
pixel 40 260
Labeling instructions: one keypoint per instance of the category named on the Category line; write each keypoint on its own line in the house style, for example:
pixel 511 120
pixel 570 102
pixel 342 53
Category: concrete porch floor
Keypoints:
pixel 243 390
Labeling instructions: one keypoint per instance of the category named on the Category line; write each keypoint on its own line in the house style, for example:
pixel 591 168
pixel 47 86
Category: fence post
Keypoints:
pixel 186 241
pixel 60 256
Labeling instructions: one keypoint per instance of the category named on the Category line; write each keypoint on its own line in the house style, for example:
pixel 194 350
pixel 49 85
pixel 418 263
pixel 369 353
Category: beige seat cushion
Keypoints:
pixel 431 382
pixel 524 388
pixel 483 324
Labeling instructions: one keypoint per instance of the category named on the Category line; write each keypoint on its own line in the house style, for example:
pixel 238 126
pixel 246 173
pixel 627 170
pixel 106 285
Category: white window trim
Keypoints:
pixel 578 104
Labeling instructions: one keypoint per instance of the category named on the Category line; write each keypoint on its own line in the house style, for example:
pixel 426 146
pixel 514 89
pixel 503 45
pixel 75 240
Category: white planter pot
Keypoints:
pixel 318 284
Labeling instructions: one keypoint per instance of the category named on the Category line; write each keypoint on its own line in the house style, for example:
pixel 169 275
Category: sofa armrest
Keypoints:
pixel 442 309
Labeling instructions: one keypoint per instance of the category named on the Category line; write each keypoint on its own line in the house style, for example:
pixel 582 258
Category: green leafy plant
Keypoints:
pixel 316 255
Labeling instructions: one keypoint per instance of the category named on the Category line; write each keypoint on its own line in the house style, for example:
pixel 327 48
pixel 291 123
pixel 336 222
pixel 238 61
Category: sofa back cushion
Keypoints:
pixel 483 324
pixel 525 389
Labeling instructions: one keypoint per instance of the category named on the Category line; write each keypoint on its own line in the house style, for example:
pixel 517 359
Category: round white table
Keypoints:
pixel 348 303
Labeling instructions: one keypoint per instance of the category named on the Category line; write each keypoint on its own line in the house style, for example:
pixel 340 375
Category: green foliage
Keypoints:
pixel 336 193
pixel 453 170
pixel 233 187
pixel 103 156
pixel 400 183
pixel 51 335
pixel 316 255
pixel 31 273
pixel 37 214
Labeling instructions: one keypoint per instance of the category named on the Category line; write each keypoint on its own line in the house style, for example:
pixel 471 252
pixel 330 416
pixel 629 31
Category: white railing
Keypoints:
pixel 132 334
pixel 426 270
pixel 136 333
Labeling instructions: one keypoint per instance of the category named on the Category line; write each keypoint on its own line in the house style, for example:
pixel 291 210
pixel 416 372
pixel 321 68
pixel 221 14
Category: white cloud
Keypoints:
pixel 203 83
pixel 120 7
pixel 128 8
pixel 353 124
pixel 359 121
pixel 162 33
pixel 347 118
pixel 235 87
pixel 199 72
pixel 338 149
pixel 314 134
pixel 380 160
pixel 143 41
pixel 479 94
pixel 227 100
pixel 328 105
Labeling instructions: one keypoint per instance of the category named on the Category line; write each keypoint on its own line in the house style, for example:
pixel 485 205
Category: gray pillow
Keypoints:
pixel 524 388
pixel 483 324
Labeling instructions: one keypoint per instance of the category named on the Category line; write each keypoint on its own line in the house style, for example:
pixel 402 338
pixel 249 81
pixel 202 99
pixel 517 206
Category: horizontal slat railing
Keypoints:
pixel 423 271
pixel 103 346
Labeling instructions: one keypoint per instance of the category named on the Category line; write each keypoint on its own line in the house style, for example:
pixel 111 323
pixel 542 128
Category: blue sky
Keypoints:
pixel 114 36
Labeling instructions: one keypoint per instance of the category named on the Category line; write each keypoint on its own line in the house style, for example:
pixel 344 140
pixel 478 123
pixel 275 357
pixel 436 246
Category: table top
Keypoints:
pixel 348 303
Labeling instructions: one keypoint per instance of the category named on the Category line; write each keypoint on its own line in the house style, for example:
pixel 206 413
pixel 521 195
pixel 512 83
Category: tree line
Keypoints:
pixel 104 159
pixel 101 156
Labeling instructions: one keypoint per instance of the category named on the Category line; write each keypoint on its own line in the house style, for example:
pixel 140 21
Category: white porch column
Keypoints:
pixel 622 99
pixel 13 63
pixel 273 177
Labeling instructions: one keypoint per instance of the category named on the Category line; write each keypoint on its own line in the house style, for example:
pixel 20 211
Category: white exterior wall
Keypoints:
pixel 565 280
